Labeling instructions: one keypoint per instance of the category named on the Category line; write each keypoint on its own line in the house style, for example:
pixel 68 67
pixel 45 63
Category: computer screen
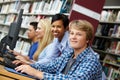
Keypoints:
pixel 11 38
pixel 14 30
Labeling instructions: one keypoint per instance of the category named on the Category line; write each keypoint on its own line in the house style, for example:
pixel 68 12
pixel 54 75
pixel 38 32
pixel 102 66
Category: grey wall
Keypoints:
pixel 112 3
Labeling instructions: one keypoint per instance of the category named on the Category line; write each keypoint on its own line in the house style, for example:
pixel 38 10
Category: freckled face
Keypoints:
pixel 78 39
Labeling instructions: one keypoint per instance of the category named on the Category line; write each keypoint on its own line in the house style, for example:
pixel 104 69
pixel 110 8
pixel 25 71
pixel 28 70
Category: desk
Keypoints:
pixel 6 75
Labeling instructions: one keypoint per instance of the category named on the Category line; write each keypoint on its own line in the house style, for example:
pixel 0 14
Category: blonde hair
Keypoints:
pixel 47 38
pixel 83 25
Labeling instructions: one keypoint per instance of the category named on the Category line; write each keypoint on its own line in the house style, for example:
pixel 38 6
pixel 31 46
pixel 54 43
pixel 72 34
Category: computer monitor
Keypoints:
pixel 11 38
pixel 14 30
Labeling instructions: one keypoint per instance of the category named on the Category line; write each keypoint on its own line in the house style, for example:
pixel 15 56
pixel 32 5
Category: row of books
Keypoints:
pixel 8 19
pixel 12 7
pixel 42 6
pixel 22 47
pixel 107 45
pixel 112 74
pixel 110 15
pixel 108 30
pixel 28 19
pixel 114 47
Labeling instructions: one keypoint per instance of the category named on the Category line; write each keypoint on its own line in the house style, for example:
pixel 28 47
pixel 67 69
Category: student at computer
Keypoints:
pixel 31 33
pixel 80 64
pixel 45 37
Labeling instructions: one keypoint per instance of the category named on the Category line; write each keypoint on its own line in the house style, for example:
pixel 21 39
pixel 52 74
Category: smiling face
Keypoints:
pixel 58 29
pixel 81 33
pixel 78 39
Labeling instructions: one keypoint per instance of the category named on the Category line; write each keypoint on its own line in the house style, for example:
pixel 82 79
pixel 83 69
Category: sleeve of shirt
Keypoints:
pixel 52 67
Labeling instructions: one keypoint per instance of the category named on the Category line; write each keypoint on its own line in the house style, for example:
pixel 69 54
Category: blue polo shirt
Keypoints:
pixel 32 50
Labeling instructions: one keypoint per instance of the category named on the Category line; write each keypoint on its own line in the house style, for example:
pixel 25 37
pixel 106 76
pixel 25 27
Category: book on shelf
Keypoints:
pixel 15 7
pixel 118 32
pixel 114 31
pixel 118 17
pixel 115 75
pixel 40 6
pixel 101 44
pixel 103 16
pixel 2 18
pixel 56 6
pixel 110 31
pixel 5 8
pixel 22 47
pixel 66 6
pixel 32 10
pixel 112 47
pixel 111 73
pixel 96 43
pixel 117 50
pixel 105 29
pixel 26 7
pixel 98 31
pixel 108 15
pixel 50 2
pixel 113 16
pixel 46 6
pixel 19 45
pixel 10 18
pixel 25 48
pixel 27 20
pixel 109 59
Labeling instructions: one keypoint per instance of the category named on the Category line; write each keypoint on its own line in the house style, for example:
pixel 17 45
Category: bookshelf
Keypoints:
pixel 107 41
pixel 34 10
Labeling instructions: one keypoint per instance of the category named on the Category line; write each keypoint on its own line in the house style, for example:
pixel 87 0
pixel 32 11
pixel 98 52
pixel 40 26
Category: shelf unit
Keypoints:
pixel 107 41
pixel 34 10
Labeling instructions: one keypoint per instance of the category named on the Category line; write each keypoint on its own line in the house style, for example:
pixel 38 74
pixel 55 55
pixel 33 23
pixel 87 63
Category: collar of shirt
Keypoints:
pixel 82 55
pixel 64 42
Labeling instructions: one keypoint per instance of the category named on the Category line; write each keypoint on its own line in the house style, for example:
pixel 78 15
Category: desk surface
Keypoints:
pixel 6 75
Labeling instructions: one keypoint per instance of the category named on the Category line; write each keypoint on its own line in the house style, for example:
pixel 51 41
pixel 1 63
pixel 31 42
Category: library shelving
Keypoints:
pixel 34 10
pixel 107 41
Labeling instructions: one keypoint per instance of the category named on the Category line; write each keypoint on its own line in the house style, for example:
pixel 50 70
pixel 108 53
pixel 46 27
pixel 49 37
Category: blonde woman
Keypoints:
pixel 45 37
pixel 44 34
